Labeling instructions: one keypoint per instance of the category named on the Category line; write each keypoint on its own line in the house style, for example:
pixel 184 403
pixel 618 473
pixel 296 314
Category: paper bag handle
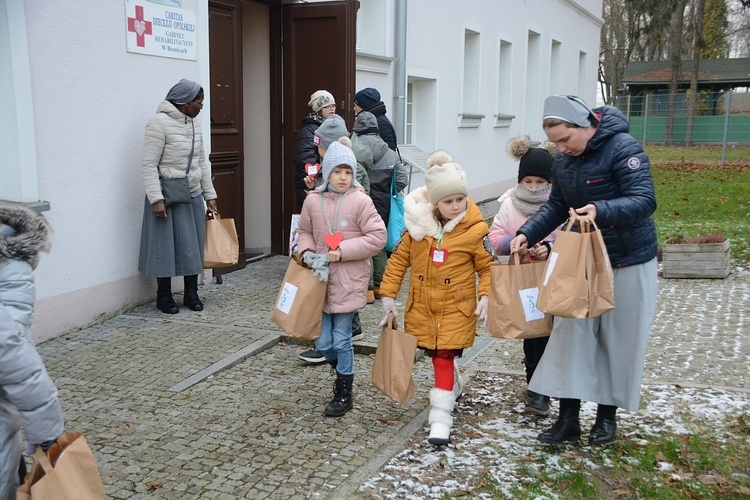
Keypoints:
pixel 43 460
pixel 391 322
pixel 517 259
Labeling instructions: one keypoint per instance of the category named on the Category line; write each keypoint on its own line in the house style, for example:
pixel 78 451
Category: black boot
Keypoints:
pixel 342 396
pixel 192 301
pixel 538 404
pixel 605 426
pixel 567 426
pixel 164 300
pixel 166 304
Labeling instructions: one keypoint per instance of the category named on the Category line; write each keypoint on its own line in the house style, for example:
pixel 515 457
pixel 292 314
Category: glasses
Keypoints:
pixel 199 103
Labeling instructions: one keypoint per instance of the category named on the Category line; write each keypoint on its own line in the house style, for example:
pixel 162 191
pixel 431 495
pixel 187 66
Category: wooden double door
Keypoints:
pixel 311 47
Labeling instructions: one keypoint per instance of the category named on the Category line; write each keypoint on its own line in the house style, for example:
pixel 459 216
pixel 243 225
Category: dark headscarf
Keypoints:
pixel 183 92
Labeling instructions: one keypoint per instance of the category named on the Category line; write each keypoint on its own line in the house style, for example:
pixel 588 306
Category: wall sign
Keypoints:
pixel 160 30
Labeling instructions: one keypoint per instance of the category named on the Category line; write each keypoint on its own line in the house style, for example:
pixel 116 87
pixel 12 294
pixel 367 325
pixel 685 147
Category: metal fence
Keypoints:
pixel 719 118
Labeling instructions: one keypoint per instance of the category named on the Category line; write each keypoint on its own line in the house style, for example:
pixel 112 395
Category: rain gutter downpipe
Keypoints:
pixel 399 82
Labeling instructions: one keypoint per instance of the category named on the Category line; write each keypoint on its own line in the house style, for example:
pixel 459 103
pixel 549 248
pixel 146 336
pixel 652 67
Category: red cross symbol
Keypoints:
pixel 140 26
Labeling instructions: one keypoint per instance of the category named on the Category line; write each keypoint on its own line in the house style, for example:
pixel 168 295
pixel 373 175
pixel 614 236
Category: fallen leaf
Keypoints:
pixel 155 485
pixel 621 493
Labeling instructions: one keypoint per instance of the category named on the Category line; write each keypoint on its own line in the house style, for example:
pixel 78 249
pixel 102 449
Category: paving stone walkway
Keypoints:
pixel 215 404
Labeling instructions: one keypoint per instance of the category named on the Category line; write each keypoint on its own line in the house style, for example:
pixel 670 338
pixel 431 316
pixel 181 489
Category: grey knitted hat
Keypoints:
pixel 330 131
pixel 568 108
pixel 339 154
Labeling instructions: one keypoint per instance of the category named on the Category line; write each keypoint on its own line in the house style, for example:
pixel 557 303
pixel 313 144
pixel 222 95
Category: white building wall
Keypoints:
pixel 91 102
pixel 435 50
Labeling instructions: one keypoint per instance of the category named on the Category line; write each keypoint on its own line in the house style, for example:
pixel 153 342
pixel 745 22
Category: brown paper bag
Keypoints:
pixel 299 305
pixel 601 277
pixel 564 290
pixel 514 291
pixel 394 362
pixel 67 470
pixel 222 247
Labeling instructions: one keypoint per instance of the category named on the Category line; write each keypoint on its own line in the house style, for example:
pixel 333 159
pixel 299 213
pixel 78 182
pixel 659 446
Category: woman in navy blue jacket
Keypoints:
pixel 602 174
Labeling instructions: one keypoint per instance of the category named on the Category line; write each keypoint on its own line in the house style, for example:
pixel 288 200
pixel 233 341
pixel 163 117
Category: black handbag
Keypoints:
pixel 177 190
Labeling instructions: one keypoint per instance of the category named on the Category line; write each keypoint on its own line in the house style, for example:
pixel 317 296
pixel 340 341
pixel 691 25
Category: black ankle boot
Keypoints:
pixel 165 303
pixel 342 396
pixel 192 301
pixel 567 426
pixel 605 426
pixel 538 404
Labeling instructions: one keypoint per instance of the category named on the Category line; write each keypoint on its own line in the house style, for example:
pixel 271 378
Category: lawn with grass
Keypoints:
pixel 696 197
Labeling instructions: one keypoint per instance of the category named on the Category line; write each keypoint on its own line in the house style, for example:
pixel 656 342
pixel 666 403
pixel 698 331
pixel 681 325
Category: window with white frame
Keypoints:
pixel 504 84
pixel 471 79
pixel 555 67
pixel 372 27
pixel 532 87
pixel 581 74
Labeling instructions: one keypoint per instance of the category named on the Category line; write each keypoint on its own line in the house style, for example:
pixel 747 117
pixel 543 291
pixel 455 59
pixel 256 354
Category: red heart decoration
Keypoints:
pixel 440 261
pixel 312 169
pixel 333 240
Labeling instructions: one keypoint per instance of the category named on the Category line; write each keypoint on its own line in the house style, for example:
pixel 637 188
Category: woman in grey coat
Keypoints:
pixel 600 174
pixel 172 237
pixel 28 399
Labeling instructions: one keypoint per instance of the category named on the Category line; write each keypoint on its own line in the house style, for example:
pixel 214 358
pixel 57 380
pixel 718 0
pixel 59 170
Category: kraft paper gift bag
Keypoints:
pixel 601 277
pixel 222 246
pixel 514 291
pixel 66 471
pixel 565 288
pixel 299 305
pixel 394 362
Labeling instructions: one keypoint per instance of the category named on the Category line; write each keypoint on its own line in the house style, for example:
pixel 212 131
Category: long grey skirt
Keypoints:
pixel 601 359
pixel 173 247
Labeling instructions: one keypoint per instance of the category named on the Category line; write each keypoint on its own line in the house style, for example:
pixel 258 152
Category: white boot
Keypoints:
pixel 440 419
pixel 458 381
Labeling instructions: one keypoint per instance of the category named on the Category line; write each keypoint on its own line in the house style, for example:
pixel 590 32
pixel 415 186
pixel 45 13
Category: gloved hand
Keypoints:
pixel 481 312
pixel 318 262
pixel 389 307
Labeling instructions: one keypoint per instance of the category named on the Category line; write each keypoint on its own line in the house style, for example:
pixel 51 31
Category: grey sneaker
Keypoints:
pixel 312 356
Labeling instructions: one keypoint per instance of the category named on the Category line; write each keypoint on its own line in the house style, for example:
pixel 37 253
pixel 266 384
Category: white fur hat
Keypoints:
pixel 444 177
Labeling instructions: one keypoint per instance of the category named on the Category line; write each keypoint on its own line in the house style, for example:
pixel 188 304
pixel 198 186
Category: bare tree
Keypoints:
pixel 696 54
pixel 675 58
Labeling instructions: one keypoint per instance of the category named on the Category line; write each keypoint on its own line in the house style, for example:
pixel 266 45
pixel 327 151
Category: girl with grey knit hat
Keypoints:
pixel 339 225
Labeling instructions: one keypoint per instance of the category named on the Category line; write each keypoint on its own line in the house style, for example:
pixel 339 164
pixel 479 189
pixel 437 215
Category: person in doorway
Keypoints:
pixel 385 164
pixel 24 233
pixel 601 174
pixel 445 245
pixel 516 206
pixel 331 130
pixel 368 99
pixel 28 400
pixel 172 237
pixel 322 105
pixel 339 207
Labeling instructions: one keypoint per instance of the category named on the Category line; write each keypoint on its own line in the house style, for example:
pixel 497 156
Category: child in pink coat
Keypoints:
pixel 340 224
pixel 516 206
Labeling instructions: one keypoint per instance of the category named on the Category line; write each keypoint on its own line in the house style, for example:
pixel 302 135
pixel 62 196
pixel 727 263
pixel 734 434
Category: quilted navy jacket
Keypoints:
pixel 613 174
